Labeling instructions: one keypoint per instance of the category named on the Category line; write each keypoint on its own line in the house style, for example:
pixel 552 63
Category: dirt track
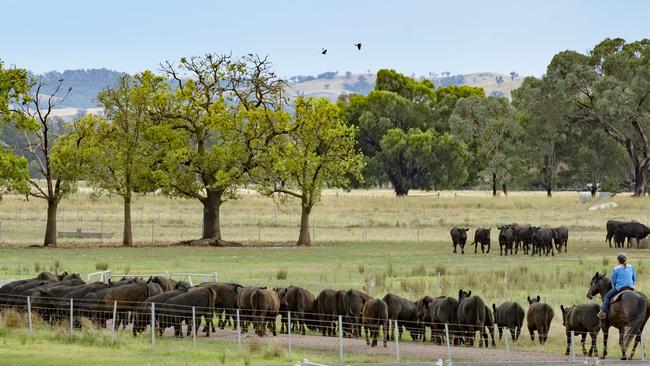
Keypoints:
pixel 409 351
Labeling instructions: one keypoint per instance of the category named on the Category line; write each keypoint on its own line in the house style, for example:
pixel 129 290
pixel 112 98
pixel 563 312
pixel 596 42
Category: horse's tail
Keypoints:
pixel 635 325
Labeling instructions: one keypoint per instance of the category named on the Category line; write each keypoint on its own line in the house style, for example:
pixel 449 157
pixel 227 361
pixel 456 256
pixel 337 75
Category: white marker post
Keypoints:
pixel 114 321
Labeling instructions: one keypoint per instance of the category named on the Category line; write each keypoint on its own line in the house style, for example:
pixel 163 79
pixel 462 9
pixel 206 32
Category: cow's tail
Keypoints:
pixel 635 325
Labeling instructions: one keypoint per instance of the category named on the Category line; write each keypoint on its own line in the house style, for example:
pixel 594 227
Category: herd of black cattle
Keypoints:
pixel 168 304
pixel 137 301
pixel 538 240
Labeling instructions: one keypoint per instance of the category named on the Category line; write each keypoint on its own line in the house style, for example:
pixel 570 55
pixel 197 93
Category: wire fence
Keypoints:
pixel 151 225
pixel 192 314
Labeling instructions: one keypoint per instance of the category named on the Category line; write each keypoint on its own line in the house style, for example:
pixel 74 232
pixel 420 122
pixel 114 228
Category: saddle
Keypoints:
pixel 618 295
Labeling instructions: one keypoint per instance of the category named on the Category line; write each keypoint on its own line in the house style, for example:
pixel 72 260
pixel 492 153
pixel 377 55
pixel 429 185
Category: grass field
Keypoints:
pixel 390 259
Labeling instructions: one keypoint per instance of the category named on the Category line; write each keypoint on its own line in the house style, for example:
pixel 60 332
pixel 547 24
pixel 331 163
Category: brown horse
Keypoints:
pixel 629 314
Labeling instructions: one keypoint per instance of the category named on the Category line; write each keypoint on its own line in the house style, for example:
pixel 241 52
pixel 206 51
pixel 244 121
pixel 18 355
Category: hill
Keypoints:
pixel 332 86
pixel 87 83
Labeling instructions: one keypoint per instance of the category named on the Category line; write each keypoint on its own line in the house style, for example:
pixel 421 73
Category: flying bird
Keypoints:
pixel 358 46
pixel 323 51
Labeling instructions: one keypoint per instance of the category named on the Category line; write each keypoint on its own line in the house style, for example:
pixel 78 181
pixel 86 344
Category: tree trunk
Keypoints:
pixel 505 189
pixel 548 191
pixel 211 225
pixel 494 184
pixel 640 175
pixel 304 239
pixel 50 228
pixel 127 238
pixel 400 189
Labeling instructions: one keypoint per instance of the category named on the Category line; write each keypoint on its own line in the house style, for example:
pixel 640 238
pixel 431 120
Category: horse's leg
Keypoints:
pixel 621 342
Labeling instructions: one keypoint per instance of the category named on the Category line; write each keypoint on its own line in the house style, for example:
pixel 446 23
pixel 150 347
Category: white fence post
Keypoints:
pixel 506 334
pixel 448 344
pixel 114 321
pixel 289 334
pixel 153 324
pixel 396 341
pixel 505 286
pixel 29 313
pixel 71 316
pixel 194 326
pixel 238 331
pixel 438 281
pixel 341 339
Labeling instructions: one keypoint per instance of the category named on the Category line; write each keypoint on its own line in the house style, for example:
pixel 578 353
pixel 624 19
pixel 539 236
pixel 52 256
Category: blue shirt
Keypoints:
pixel 623 276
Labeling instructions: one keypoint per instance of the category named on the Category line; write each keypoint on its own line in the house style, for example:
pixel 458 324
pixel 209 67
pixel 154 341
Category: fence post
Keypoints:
pixel 194 326
pixel 71 316
pixel 438 281
pixel 506 333
pixel 397 341
pixel 341 339
pixel 153 324
pixel 29 313
pixel 573 347
pixel 114 321
pixel 238 331
pixel 289 334
pixel 448 344
pixel 215 276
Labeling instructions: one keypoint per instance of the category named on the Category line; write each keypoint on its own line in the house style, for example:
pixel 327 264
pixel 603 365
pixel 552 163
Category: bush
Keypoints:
pixel 419 270
pixel 361 268
pixel 101 266
pixel 281 274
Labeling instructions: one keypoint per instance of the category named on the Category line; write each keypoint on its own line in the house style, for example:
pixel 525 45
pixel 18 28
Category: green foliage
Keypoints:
pixel 14 88
pixel 215 126
pixel 423 160
pixel 446 99
pixel 318 151
pixel 607 88
pixel 14 172
pixel 416 91
pixel 488 126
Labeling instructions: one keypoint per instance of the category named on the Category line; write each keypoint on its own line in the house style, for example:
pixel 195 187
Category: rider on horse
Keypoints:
pixel 623 276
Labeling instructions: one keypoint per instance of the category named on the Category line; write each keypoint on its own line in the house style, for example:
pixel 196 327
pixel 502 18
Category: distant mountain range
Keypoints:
pixel 87 83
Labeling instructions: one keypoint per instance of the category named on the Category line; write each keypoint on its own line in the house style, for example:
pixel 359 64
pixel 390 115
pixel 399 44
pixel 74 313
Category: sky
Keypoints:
pixel 407 35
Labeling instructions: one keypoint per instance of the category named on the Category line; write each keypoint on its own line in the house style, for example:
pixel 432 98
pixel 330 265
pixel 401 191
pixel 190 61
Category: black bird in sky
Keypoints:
pixel 358 46
pixel 323 51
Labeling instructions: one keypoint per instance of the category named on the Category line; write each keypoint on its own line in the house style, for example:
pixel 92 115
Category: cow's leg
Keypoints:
pixel 621 342
pixel 365 328
pixel 605 337
pixel 454 247
pixel 385 326
pixel 582 341
pixel 593 350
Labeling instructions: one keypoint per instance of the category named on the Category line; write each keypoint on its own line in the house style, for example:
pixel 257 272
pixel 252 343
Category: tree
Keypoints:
pixel 319 151
pixel 540 113
pixel 14 170
pixel 422 160
pixel 609 88
pixel 446 98
pixel 60 168
pixel 488 126
pixel 226 111
pixel 118 151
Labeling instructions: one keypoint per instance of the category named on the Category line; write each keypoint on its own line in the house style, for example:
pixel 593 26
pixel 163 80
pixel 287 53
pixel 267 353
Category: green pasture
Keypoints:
pixel 389 259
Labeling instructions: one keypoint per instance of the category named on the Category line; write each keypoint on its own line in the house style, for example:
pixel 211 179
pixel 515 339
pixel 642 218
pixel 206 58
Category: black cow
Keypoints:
pixel 523 238
pixel 629 231
pixel 560 237
pixel 582 319
pixel 509 315
pixel 472 318
pixel 459 237
pixel 542 240
pixel 506 239
pixel 482 236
